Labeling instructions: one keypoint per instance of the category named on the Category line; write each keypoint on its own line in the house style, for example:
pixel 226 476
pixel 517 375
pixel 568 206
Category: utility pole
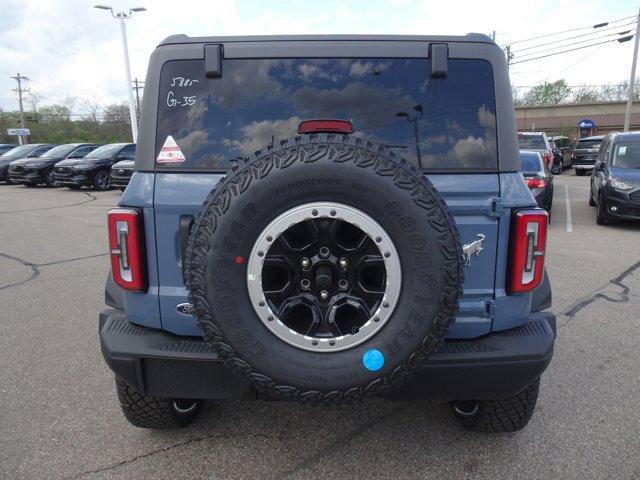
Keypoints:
pixel 138 86
pixel 632 79
pixel 19 78
pixel 509 55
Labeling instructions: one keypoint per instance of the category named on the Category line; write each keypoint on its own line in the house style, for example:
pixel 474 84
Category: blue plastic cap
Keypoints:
pixel 373 360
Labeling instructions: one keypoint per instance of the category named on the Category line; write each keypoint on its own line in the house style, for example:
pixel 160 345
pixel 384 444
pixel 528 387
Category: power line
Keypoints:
pixel 576 43
pixel 577 36
pixel 597 25
pixel 619 40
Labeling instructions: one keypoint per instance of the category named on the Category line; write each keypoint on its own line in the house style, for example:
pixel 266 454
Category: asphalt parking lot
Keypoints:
pixel 60 416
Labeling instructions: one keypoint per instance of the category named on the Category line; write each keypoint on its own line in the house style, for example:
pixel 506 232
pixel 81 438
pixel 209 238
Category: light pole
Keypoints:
pixel 122 16
pixel 632 80
pixel 414 120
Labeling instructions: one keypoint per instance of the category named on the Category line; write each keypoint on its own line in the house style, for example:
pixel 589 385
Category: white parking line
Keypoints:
pixel 568 202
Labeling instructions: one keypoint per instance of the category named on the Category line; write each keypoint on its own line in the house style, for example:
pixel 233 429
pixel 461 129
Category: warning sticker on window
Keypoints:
pixel 170 152
pixel 622 151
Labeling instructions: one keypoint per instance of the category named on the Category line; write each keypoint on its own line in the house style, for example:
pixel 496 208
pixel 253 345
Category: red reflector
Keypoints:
pixel 547 159
pixel 126 248
pixel 325 126
pixel 534 182
pixel 528 243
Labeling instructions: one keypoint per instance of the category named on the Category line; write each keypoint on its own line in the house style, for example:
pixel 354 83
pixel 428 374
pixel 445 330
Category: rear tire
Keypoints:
pixel 592 203
pixel 153 412
pixel 499 416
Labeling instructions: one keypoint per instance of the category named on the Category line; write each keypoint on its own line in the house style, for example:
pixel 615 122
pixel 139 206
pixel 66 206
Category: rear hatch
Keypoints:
pixel 586 151
pixel 446 126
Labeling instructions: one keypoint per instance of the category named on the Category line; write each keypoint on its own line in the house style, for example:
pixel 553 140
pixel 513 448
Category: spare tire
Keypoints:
pixel 324 269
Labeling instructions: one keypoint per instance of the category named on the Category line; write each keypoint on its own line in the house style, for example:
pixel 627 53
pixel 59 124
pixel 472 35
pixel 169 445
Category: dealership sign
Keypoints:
pixel 18 131
pixel 586 123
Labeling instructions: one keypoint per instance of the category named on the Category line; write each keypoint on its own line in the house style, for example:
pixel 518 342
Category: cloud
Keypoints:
pixel 360 69
pixel 257 135
pixel 474 151
pixel 371 104
pixel 67 47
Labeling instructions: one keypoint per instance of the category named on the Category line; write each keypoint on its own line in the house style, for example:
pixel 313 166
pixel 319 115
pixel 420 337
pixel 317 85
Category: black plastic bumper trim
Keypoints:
pixel 498 365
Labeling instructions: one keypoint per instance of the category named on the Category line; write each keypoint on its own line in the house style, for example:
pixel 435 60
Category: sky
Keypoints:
pixel 68 48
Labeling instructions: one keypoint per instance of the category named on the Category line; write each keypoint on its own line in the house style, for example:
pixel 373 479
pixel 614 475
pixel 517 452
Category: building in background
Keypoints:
pixel 577 120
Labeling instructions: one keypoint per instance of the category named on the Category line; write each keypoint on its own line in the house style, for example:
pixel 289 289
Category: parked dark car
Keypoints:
pixel 5 147
pixel 34 171
pixel 31 150
pixel 94 169
pixel 561 149
pixel 615 180
pixel 585 153
pixel 538 178
pixel 121 173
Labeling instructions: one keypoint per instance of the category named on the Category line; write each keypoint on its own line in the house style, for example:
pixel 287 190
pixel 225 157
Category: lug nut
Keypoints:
pixel 343 284
pixel 305 283
pixel 306 263
pixel 324 294
pixel 343 263
pixel 324 252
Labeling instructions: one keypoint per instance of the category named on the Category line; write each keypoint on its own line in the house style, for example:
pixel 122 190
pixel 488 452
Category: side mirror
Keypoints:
pixel 600 166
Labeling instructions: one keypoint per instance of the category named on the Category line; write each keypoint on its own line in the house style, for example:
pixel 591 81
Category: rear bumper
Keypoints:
pixel 584 166
pixel 157 363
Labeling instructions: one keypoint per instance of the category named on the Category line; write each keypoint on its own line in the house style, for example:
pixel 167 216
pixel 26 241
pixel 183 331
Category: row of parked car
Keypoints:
pixel 612 160
pixel 560 153
pixel 73 165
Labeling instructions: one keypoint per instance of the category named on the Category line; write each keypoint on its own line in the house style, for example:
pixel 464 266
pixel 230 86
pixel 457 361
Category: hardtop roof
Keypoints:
pixel 468 38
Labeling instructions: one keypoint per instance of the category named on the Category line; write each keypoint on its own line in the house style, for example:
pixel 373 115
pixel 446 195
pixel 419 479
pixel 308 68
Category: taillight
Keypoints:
pixel 126 247
pixel 528 242
pixel 534 182
pixel 548 158
pixel 325 126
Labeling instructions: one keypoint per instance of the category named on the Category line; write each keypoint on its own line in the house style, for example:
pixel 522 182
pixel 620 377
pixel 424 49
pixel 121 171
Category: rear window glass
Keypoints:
pixel 532 141
pixel 588 143
pixel 438 123
pixel 530 162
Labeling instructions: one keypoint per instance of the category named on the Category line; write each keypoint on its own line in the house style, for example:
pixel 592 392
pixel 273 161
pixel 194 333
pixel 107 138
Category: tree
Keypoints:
pixel 90 107
pixel 33 100
pixel 117 113
pixel 548 93
pixel 585 94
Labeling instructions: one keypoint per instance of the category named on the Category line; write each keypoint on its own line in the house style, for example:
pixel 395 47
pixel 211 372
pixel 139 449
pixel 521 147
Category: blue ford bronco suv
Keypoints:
pixel 324 219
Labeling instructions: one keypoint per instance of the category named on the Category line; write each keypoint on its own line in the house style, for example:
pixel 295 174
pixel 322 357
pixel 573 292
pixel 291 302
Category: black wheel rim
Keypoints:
pixel 103 180
pixel 327 281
